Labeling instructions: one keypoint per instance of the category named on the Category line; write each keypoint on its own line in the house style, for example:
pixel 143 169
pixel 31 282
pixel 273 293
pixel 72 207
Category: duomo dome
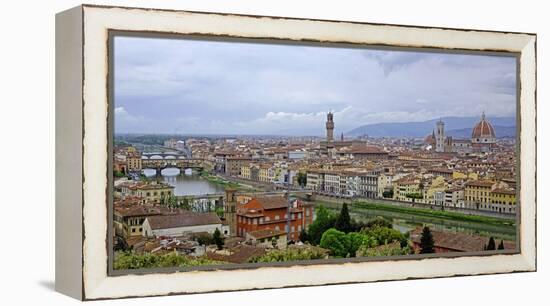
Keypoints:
pixel 483 131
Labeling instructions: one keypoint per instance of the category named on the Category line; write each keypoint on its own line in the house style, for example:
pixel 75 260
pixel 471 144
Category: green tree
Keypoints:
pixel 357 240
pixel 131 260
pixel 414 195
pixel 341 244
pixel 291 254
pixel 185 204
pixel 205 239
pixel 172 201
pixel 218 239
pixel 491 245
pixel 343 222
pixel 219 211
pixel 501 245
pixel 302 179
pixel 379 222
pixel 335 241
pixel 393 249
pixel 304 237
pixel 385 235
pixel 426 241
pixel 388 194
pixel 324 220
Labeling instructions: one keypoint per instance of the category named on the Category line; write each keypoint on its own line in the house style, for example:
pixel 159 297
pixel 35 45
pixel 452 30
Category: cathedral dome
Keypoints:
pixel 483 131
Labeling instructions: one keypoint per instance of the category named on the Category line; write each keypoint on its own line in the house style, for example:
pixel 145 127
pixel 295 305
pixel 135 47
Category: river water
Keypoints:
pixel 406 222
pixel 188 183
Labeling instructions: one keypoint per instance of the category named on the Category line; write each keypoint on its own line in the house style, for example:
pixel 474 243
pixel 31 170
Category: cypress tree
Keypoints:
pixel 501 245
pixel 426 241
pixel 491 245
pixel 343 222
pixel 218 239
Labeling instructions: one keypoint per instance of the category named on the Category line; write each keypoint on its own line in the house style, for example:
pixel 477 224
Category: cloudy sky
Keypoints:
pixel 206 87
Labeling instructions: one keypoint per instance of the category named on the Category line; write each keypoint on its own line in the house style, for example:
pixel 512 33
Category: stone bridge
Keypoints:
pixel 180 163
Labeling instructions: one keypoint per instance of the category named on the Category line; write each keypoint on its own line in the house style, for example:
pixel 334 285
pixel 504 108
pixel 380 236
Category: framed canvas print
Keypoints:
pixel 202 152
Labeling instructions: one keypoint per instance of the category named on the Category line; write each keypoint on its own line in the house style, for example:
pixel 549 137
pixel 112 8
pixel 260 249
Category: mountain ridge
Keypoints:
pixel 458 127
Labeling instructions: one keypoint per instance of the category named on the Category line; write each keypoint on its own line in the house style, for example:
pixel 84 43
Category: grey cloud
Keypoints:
pixel 215 87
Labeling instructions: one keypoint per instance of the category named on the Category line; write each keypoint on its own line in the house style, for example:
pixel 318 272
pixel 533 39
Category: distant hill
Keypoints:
pixel 458 127
pixel 500 131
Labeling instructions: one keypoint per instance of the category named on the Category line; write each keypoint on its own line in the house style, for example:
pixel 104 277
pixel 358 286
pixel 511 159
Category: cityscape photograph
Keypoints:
pixel 246 152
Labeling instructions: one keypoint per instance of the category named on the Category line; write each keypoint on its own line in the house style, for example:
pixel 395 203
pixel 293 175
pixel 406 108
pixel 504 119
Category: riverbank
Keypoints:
pixel 410 218
pixel 214 179
pixel 440 214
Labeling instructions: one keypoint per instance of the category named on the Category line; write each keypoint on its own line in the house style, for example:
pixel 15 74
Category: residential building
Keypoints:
pixel 274 213
pixel 268 238
pixel 152 192
pixel 234 164
pixel 128 220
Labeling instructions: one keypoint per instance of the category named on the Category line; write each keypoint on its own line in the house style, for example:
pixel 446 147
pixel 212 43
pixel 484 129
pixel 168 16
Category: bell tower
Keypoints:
pixel 230 210
pixel 440 137
pixel 330 127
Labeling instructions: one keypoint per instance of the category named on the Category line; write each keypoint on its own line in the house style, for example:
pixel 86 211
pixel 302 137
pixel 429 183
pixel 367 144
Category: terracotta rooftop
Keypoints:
pixel 184 219
pixel 266 233
pixel 272 202
pixel 504 191
pixel 480 183
pixel 136 211
pixel 363 150
pixel 459 241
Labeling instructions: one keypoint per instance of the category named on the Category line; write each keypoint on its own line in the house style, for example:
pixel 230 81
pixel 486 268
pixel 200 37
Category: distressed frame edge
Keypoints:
pixel 526 261
pixel 69 225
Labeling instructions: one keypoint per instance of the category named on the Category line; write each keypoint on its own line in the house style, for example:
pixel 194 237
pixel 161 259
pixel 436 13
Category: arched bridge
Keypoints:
pixel 180 163
pixel 163 156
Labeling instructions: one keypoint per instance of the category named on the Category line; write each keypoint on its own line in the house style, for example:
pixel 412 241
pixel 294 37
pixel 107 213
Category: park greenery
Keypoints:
pixel 222 182
pixel 414 195
pixel 132 260
pixel 391 249
pixel 344 237
pixel 291 254
pixel 440 214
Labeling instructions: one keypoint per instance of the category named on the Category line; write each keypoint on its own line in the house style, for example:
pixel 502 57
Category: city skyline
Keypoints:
pixel 190 87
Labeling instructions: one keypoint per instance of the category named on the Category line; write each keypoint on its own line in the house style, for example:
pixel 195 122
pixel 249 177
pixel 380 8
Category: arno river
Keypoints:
pixel 186 183
pixel 192 184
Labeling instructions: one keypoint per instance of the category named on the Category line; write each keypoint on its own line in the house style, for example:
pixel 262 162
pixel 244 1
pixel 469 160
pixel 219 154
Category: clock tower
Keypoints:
pixel 330 127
